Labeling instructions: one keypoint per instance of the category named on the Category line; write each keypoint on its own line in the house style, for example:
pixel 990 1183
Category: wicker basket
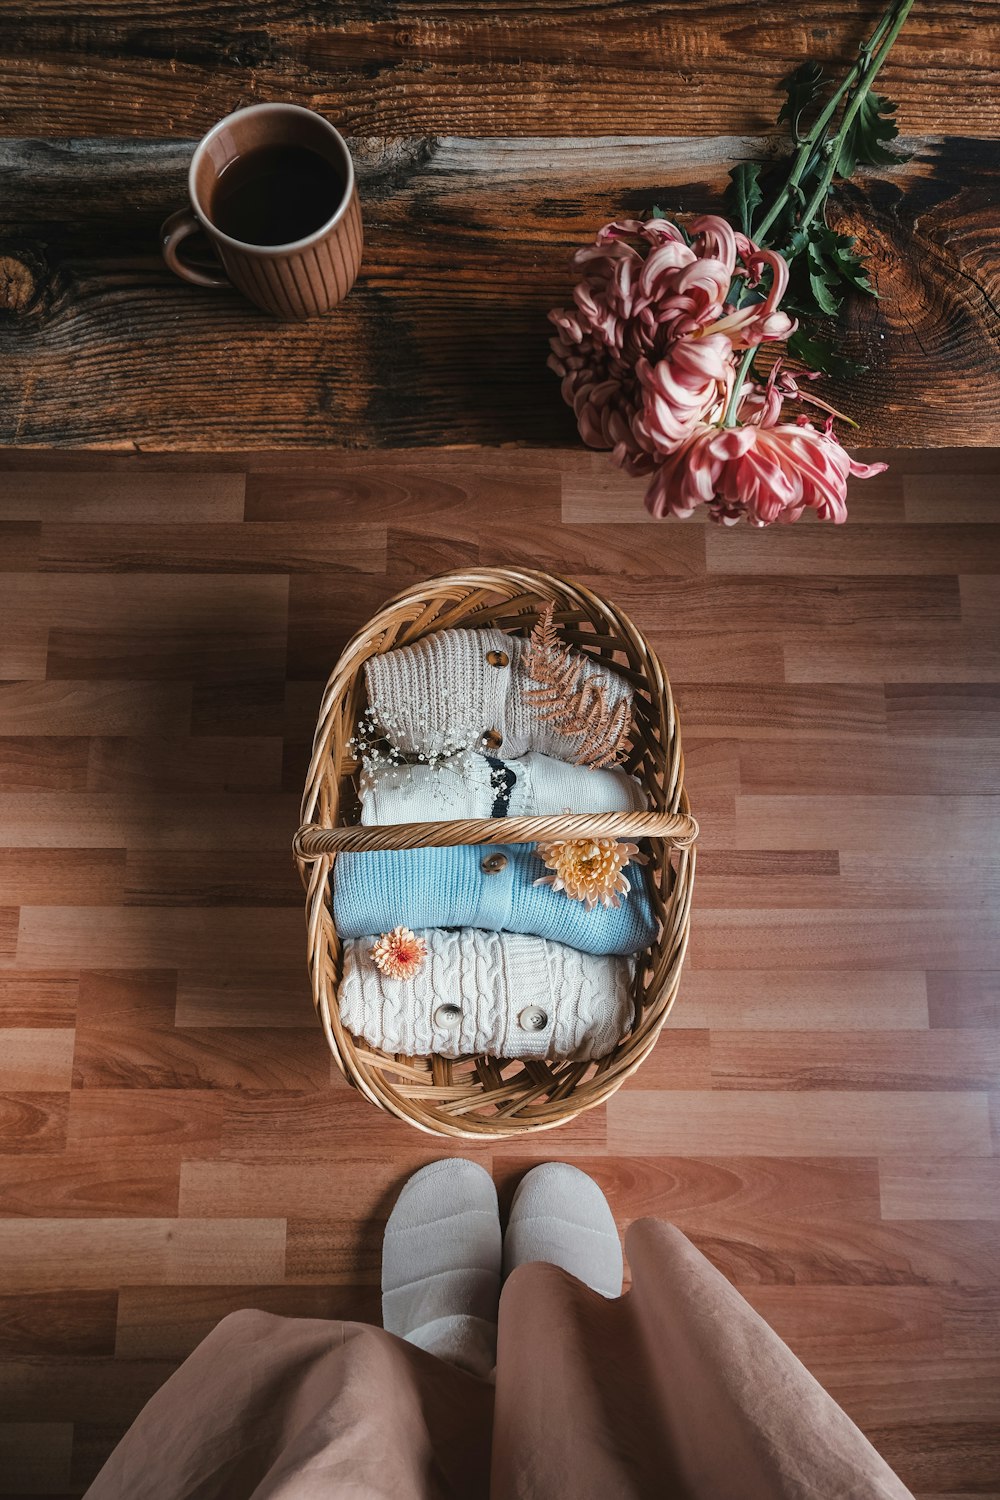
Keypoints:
pixel 481 1098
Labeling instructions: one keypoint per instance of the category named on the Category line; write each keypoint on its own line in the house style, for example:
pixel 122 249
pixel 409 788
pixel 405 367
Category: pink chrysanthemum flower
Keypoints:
pixel 645 353
pixel 765 474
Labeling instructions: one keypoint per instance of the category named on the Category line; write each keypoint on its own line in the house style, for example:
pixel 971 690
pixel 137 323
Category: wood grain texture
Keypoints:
pixel 821 1115
pixel 467 246
pixel 514 68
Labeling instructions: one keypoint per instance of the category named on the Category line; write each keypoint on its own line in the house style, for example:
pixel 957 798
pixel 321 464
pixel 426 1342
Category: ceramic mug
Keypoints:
pixel 272 186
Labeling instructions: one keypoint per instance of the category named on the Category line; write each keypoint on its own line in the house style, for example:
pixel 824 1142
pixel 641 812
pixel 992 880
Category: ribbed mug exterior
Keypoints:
pixel 301 283
pixel 302 279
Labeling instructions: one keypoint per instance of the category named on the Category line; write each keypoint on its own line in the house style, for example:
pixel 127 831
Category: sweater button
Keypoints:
pixel 533 1019
pixel 493 864
pixel 447 1015
pixel 492 739
pixel 497 658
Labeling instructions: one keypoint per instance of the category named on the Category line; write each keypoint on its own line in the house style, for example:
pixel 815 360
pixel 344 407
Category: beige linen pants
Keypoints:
pixel 677 1391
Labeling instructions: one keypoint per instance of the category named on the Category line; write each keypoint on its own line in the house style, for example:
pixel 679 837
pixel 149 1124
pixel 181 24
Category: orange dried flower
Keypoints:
pixel 399 954
pixel 589 870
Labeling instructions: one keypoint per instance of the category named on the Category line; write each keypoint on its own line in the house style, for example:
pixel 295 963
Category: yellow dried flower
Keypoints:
pixel 589 870
pixel 399 954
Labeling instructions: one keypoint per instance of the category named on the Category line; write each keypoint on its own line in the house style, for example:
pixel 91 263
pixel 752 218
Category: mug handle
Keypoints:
pixel 173 232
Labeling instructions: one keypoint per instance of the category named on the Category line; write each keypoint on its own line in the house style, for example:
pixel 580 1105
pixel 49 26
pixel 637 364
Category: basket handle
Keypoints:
pixel 312 841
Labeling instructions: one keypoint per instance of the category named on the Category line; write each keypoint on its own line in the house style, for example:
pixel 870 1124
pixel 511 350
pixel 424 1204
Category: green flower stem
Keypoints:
pixel 862 75
pixel 855 88
pixel 875 63
pixel 729 416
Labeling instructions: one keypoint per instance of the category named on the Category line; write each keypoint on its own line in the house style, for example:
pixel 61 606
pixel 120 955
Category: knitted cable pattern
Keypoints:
pixel 493 981
pixel 448 690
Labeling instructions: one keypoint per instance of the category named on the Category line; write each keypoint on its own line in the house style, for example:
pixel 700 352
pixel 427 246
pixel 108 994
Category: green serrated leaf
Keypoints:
pixel 743 195
pixel 802 86
pixel 851 268
pixel 818 353
pixel 656 212
pixel 863 143
pixel 827 299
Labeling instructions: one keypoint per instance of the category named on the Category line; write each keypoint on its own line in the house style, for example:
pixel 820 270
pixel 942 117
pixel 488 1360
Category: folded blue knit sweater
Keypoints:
pixel 489 886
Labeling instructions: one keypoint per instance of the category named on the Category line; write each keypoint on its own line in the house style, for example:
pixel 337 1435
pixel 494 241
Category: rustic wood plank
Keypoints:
pixel 186 1122
pixel 33 1122
pixel 241 995
pixel 216 1058
pixel 50 496
pixel 741 1189
pixel 94 1181
pixel 38 998
pixel 168 1322
pixel 905 825
pixel 81 1387
pixel 848 1123
pixel 958 497
pixel 803 999
pixel 923 767
pixel 65 876
pixel 943 1460
pixel 159 820
pixel 306 1190
pixel 36 1457
pixel 934 1189
pixel 136 938
pixel 954 709
pixel 787 1249
pixel 938 1059
pixel 513 69
pixel 864 939
pixel 44 1254
pixel 190 764
pixel 964 998
pixel 859 549
pixel 227 377
pixel 58 1323
pixel 123 997
pixel 185 877
pixel 821 1113
pixel 953 883
pixel 80 708
pixel 36 1060
pixel 43 763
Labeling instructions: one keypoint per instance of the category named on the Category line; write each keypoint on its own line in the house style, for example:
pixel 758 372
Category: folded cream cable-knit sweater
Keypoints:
pixel 502 994
pixel 450 689
pixel 478 786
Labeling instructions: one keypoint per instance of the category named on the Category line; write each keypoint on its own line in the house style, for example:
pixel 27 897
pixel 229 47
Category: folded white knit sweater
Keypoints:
pixel 477 786
pixel 448 690
pixel 501 994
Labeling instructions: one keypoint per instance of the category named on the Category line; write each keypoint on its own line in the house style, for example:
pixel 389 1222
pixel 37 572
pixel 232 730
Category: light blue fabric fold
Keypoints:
pixel 454 887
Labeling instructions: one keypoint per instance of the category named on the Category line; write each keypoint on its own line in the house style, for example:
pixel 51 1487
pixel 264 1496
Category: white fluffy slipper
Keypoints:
pixel 441 1260
pixel 560 1215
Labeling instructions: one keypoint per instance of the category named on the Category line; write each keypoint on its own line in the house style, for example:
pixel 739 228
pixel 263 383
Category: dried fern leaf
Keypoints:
pixel 574 704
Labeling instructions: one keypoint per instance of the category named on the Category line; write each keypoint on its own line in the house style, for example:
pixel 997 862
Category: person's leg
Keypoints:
pixel 272 1408
pixel 441 1262
pixel 678 1391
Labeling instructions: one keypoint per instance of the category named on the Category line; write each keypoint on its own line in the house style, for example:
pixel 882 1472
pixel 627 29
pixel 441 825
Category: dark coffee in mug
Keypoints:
pixel 275 195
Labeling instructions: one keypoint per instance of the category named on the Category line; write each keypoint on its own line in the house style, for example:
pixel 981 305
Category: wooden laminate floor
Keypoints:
pixel 821 1113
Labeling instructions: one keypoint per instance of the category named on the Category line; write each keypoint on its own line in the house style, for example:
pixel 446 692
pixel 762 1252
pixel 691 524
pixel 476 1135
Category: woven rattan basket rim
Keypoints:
pixel 423 1092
